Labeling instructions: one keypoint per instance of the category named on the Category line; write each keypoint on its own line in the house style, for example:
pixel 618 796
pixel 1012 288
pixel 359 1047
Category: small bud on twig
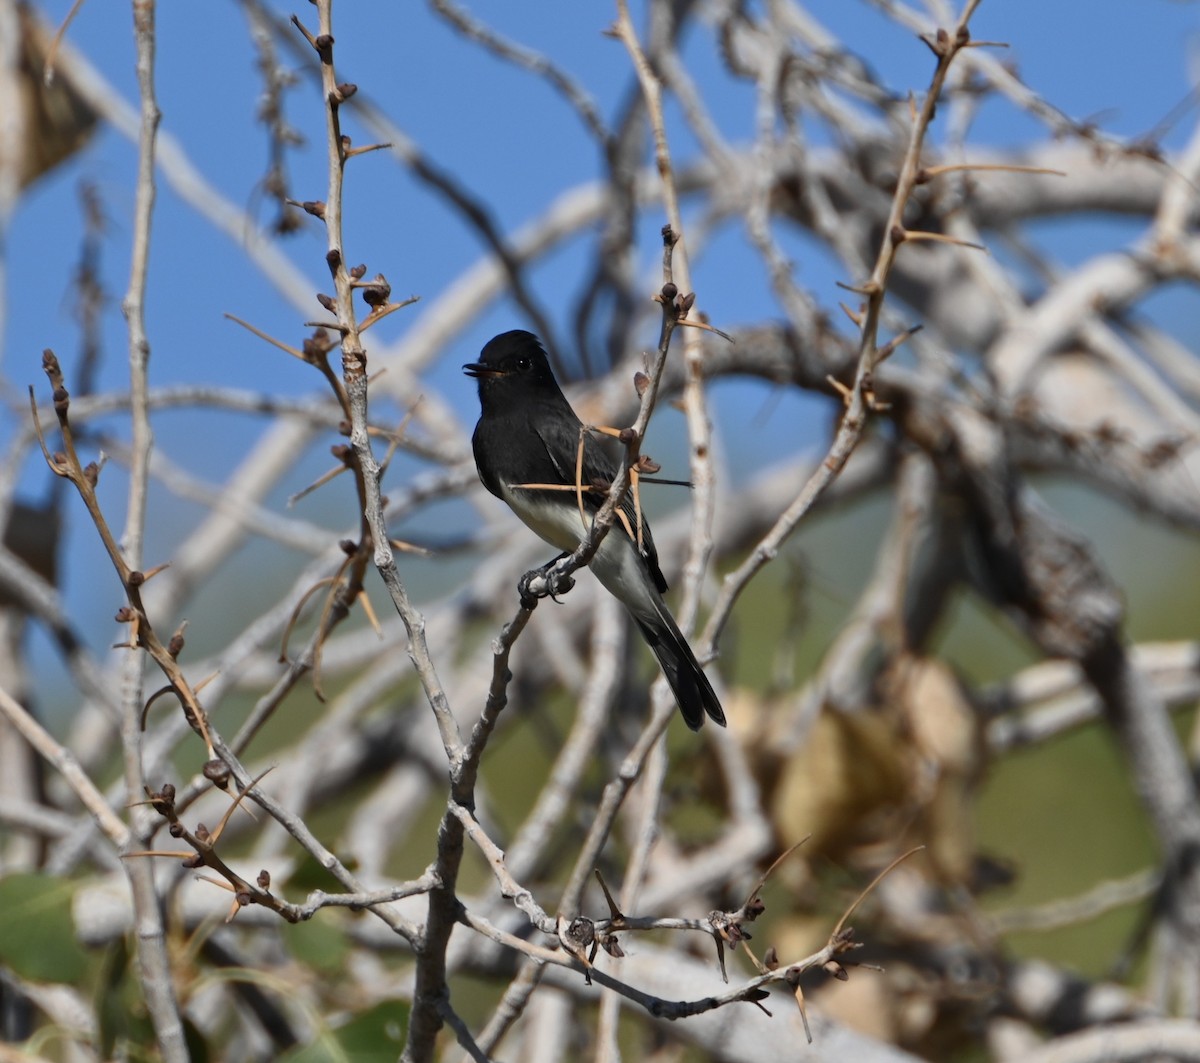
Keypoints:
pixel 319 344
pixel 836 969
pixel 581 932
pixel 217 773
pixel 377 292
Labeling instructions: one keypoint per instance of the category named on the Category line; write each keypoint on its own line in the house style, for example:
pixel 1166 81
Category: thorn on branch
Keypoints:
pixel 349 152
pixel 868 290
pixel 615 913
pixel 900 235
pixel 932 45
pixel 304 31
pixel 895 342
pixel 847 393
pixel 928 173
pixel 706 327
pixel 146 577
pixel 168 689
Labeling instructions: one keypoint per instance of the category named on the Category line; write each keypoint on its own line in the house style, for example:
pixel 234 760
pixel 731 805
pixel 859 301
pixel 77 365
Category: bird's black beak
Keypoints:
pixel 479 371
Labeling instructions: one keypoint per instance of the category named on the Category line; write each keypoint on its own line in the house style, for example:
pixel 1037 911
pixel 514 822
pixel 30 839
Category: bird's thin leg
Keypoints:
pixel 544 582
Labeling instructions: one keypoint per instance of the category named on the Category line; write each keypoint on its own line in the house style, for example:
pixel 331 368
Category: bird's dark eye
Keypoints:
pixel 523 364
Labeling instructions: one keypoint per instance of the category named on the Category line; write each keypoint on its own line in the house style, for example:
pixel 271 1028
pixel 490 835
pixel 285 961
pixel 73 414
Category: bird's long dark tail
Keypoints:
pixel 693 692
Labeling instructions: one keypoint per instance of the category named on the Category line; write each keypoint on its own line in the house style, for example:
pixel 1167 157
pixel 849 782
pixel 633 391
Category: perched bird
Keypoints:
pixel 528 434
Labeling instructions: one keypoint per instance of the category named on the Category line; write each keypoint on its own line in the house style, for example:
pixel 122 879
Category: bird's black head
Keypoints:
pixel 513 361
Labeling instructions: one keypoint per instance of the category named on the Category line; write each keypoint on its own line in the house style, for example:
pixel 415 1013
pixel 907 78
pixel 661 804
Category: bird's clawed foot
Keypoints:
pixel 545 582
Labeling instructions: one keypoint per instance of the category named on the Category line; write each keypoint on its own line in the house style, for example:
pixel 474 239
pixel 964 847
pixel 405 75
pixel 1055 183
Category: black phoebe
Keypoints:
pixel 528 434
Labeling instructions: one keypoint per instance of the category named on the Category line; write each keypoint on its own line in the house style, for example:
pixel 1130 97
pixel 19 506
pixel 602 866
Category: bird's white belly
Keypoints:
pixel 561 526
pixel 616 563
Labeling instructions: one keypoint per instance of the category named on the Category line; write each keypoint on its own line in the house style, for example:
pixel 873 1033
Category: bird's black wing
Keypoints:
pixel 561 440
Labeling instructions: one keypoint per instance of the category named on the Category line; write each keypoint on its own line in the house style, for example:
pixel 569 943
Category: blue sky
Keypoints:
pixel 505 135
pixel 500 131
